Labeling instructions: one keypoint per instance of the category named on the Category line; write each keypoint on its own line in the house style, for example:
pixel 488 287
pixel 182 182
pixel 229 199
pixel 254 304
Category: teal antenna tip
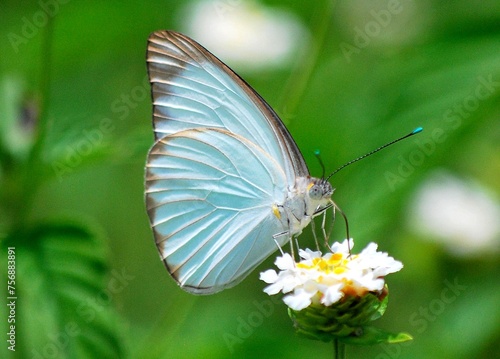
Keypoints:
pixel 414 132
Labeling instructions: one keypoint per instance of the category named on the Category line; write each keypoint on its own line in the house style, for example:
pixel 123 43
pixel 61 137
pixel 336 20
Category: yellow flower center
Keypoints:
pixel 336 264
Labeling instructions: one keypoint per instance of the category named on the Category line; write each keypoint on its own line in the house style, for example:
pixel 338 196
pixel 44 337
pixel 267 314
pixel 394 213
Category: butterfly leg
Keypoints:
pixel 297 245
pixel 277 235
pixel 335 207
pixel 326 236
pixel 313 229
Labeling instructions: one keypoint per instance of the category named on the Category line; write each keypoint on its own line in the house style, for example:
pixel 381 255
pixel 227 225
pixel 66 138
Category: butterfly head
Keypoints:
pixel 320 192
pixel 320 189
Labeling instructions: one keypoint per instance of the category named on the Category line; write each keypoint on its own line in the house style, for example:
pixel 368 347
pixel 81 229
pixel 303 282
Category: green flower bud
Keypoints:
pixel 345 318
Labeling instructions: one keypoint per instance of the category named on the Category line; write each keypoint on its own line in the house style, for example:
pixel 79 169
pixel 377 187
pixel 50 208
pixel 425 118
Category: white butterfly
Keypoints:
pixel 225 181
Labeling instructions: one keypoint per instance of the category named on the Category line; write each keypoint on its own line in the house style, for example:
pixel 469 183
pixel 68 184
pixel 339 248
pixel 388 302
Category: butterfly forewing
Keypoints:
pixel 192 88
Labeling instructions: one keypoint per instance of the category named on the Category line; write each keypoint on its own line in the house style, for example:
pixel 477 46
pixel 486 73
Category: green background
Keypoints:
pixel 89 281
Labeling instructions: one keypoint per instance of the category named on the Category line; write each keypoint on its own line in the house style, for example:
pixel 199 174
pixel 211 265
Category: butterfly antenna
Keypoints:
pixel 414 132
pixel 318 156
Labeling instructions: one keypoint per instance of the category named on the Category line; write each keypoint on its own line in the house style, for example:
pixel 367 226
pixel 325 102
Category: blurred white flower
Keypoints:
pixel 461 215
pixel 326 279
pixel 244 33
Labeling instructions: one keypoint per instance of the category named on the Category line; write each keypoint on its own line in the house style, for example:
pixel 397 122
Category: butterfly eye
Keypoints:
pixel 321 189
pixel 315 192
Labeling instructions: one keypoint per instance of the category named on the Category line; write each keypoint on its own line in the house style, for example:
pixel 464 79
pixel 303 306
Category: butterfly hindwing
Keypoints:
pixel 212 217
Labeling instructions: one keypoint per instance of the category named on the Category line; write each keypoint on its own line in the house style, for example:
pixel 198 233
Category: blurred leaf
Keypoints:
pixel 64 306
pixel 92 148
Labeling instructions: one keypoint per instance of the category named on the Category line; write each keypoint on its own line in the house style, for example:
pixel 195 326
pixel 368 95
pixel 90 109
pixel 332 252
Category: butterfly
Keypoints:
pixel 225 183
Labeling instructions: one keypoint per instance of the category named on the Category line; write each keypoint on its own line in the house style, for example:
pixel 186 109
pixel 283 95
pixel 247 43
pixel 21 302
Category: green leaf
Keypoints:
pixel 372 335
pixel 382 306
pixel 63 306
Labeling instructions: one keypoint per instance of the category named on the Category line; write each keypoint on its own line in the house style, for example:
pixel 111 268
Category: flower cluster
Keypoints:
pixel 325 279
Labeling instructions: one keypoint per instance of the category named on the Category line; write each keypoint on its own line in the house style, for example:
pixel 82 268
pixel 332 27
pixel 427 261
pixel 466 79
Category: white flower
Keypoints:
pixel 458 214
pixel 325 279
pixel 245 34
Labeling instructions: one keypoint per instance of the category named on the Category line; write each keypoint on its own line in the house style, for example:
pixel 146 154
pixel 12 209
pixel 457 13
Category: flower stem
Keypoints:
pixel 338 349
pixel 34 172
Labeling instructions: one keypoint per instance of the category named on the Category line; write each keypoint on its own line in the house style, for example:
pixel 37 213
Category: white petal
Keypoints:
pixel 371 248
pixel 389 267
pixel 298 301
pixel 370 283
pixel 309 254
pixel 343 247
pixel 333 294
pixel 269 276
pixel 273 288
pixel 285 262
pixel 396 266
pixel 291 282
pixel 310 286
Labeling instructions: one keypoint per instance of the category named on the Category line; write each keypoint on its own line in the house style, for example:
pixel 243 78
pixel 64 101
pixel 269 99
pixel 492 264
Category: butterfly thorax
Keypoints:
pixel 309 197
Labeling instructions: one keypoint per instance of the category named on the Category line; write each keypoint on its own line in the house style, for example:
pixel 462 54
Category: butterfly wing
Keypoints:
pixel 191 88
pixel 210 196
